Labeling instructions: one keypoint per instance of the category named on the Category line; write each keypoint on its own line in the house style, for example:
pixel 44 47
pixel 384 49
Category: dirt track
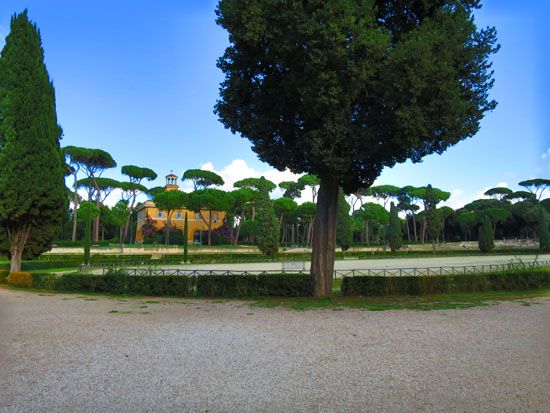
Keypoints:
pixel 72 353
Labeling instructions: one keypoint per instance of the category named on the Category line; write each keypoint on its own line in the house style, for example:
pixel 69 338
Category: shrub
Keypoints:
pixel 162 285
pixel 528 279
pixel 44 280
pixel 485 240
pixel 4 276
pixel 20 279
pixel 241 285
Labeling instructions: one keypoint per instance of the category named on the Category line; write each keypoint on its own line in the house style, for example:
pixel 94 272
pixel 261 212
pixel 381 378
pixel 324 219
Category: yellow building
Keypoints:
pixel 148 213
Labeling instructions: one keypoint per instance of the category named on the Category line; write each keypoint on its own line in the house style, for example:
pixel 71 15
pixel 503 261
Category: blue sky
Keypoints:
pixel 140 81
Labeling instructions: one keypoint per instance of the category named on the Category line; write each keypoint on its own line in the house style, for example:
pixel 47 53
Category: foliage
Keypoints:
pixel 434 225
pixel 437 284
pixel 385 192
pixel 498 192
pixel 292 189
pixel 92 161
pixel 136 173
pixel 254 184
pixel 544 231
pixel 536 186
pixel 169 201
pixel 312 181
pixel 485 235
pixel 268 227
pixel 20 279
pixel 202 179
pixel 116 282
pixel 521 196
pixel 303 102
pixel 284 207
pixel 88 211
pixel 344 228
pixel 33 196
pixel 3 276
pixel 395 236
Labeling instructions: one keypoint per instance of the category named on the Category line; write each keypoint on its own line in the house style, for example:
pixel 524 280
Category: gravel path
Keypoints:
pixel 377 263
pixel 72 353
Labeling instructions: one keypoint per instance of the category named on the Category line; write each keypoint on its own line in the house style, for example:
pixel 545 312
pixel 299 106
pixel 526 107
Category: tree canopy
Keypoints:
pixel 498 192
pixel 254 183
pixel 136 174
pixel 202 179
pixel 292 189
pixel 536 186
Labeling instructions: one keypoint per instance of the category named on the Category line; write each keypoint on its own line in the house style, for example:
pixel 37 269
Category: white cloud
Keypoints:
pixel 238 169
pixel 546 155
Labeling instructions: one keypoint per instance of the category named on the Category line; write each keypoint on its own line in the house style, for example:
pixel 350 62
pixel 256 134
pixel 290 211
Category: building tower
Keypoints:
pixel 171 182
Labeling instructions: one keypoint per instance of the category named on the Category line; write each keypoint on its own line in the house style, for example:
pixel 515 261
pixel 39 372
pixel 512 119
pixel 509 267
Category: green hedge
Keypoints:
pixel 284 285
pixel 3 276
pixel 528 279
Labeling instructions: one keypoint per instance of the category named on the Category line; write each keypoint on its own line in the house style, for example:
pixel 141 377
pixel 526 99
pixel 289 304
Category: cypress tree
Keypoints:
pixel 394 231
pixel 544 232
pixel 486 240
pixel 33 196
pixel 268 225
pixel 88 211
pixel 344 228
pixel 185 240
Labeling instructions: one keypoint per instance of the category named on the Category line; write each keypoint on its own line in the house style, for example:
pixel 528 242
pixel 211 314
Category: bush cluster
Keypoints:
pixel 4 276
pixel 116 282
pixel 20 279
pixel 529 279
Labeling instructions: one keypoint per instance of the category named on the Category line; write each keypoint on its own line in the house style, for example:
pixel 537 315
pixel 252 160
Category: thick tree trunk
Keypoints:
pixel 18 239
pixel 324 237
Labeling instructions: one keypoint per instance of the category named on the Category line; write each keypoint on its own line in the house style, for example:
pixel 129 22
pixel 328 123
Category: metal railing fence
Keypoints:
pixel 384 272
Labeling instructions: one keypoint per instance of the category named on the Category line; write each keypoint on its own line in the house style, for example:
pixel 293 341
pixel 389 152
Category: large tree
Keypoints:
pixel 169 201
pixel 342 89
pixel 209 200
pixel 132 188
pixel 33 197
pixel 92 162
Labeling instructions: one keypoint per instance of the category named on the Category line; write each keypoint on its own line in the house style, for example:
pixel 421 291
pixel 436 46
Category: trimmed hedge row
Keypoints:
pixel 529 279
pixel 280 285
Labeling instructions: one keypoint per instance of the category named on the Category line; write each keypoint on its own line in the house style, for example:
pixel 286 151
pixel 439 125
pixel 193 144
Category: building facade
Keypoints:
pixel 148 215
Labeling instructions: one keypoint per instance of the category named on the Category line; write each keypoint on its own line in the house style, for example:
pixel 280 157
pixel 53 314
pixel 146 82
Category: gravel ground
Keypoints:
pixel 73 353
pixel 377 263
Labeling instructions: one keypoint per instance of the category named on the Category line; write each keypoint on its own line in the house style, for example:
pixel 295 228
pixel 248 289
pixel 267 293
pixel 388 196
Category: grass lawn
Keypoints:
pixel 425 303
pixel 336 302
